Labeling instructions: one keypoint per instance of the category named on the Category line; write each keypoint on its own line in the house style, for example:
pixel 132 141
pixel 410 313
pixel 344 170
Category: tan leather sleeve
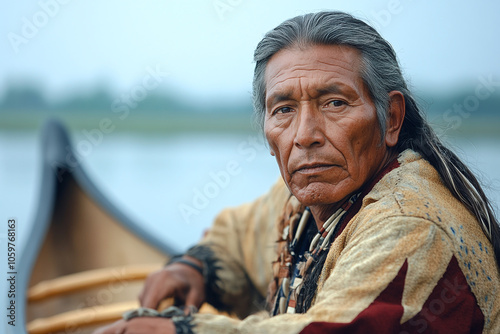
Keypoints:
pixel 243 240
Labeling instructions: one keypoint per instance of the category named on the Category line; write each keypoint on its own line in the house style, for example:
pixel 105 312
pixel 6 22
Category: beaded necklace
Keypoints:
pixel 292 283
pixel 289 279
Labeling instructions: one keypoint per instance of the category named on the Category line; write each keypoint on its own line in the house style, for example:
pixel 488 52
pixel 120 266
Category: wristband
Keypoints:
pixel 173 312
pixel 193 265
pixel 182 317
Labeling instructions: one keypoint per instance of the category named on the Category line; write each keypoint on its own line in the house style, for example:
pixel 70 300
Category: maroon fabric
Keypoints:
pixel 375 318
pixel 451 308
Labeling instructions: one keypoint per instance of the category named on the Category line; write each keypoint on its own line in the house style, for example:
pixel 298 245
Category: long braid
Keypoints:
pixel 308 291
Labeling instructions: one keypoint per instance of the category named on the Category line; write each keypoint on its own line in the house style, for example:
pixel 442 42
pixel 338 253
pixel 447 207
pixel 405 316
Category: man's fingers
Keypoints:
pixel 193 298
pixel 144 293
pixel 150 300
pixel 149 284
pixel 155 294
pixel 152 286
pixel 174 281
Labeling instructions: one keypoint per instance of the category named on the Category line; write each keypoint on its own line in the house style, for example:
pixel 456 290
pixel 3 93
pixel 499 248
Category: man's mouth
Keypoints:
pixel 313 168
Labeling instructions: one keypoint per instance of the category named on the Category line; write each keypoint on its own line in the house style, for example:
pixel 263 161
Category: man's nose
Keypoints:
pixel 309 127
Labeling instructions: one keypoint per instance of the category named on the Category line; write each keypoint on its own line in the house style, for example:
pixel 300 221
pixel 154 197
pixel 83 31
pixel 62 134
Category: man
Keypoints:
pixel 376 226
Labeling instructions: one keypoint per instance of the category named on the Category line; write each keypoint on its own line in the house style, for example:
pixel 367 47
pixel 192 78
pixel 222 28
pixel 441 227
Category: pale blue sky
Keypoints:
pixel 208 54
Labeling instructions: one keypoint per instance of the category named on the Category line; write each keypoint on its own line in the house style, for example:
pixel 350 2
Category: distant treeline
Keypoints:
pixel 30 98
pixel 24 105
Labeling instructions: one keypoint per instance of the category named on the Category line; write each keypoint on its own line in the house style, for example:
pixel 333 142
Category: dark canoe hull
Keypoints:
pixel 85 260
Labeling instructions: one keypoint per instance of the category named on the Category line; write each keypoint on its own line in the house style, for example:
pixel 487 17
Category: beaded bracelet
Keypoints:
pixel 181 317
pixel 171 312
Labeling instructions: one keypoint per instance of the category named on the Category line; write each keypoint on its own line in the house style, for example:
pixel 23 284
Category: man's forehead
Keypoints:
pixel 325 66
pixel 319 58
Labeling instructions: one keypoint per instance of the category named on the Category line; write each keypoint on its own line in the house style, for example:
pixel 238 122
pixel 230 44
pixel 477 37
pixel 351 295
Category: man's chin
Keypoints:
pixel 318 193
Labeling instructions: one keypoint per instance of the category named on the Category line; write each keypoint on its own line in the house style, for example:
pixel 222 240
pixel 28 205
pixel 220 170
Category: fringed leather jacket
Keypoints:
pixel 412 259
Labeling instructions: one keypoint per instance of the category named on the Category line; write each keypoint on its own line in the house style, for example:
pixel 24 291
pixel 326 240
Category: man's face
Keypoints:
pixel 321 123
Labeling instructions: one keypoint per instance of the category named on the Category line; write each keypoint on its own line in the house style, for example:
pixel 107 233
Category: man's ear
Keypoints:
pixel 394 118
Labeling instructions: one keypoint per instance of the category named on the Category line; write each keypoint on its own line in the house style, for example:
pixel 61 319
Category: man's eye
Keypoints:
pixel 283 110
pixel 336 103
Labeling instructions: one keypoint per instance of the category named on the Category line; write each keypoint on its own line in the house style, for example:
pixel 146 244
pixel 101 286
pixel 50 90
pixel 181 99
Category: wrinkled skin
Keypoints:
pixel 139 326
pixel 322 126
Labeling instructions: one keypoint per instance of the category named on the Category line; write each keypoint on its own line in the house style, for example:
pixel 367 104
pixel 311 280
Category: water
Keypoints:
pixel 175 185
pixel 160 181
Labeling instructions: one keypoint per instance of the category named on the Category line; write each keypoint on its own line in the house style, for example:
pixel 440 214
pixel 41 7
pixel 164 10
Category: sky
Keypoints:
pixel 203 49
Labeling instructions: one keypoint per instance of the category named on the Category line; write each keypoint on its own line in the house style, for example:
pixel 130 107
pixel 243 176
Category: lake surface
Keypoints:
pixel 175 185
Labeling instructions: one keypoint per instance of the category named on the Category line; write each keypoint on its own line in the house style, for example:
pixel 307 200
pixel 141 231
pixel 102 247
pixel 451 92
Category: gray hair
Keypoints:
pixel 381 74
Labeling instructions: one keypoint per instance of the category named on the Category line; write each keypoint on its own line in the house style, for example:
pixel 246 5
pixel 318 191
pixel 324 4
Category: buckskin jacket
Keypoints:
pixel 412 260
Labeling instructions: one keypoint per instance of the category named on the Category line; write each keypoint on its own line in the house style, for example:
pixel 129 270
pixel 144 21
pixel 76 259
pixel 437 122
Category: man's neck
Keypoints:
pixel 321 213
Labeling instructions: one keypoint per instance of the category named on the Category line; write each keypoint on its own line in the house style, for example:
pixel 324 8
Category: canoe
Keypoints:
pixel 85 262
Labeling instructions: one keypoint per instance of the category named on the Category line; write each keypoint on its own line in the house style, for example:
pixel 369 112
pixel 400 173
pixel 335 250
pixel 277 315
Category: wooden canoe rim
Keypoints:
pixel 80 244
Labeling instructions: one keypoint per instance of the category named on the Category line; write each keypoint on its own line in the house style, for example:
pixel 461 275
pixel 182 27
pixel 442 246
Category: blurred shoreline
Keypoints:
pixel 230 123
pixel 485 126
pixel 472 109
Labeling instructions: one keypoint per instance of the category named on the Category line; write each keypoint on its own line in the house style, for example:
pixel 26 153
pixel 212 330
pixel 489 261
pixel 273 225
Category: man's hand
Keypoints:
pixel 144 325
pixel 177 280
